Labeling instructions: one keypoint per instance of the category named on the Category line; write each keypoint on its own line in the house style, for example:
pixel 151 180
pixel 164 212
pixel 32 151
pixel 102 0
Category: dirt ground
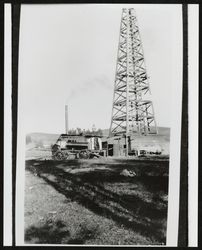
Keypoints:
pixel 90 202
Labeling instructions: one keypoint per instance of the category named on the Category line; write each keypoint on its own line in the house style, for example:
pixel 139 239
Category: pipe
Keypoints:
pixel 66 119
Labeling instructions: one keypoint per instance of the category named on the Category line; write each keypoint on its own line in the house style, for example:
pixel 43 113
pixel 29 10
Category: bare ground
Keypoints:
pixel 89 202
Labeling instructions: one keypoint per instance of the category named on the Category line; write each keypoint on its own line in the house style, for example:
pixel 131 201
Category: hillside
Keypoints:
pixel 161 131
pixel 40 139
pixel 46 140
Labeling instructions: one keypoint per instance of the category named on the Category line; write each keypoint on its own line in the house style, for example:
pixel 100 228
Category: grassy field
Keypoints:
pixel 90 202
pixel 35 153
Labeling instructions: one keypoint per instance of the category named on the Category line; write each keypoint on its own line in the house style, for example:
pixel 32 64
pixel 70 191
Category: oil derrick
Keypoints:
pixel 132 111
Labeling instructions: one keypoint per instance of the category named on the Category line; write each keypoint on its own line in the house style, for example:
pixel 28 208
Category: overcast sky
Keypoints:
pixel 68 56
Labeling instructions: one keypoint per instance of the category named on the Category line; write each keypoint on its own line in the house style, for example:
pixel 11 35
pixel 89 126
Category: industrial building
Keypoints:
pixel 137 145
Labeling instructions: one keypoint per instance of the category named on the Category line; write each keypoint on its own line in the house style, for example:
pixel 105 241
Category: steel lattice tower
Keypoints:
pixel 132 111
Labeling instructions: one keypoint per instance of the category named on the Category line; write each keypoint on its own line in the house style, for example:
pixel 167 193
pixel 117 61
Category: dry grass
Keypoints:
pixel 89 202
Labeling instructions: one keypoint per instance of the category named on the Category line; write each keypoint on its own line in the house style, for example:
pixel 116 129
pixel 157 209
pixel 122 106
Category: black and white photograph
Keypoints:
pixel 99 107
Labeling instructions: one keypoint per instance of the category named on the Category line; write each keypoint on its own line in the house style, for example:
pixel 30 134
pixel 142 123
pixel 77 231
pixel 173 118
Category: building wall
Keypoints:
pixel 119 150
pixel 150 143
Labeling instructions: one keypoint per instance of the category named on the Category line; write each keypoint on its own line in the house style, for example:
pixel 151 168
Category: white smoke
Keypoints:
pixel 101 81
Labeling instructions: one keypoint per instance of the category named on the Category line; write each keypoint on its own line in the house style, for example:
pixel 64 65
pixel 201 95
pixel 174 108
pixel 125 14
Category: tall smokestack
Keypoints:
pixel 66 119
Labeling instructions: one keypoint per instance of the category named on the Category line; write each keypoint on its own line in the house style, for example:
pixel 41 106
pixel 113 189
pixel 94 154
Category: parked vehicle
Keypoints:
pixel 75 146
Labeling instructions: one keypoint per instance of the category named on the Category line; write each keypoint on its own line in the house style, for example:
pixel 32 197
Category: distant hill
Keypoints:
pixel 161 131
pixel 105 132
pixel 40 140
pixel 164 131
pixel 46 140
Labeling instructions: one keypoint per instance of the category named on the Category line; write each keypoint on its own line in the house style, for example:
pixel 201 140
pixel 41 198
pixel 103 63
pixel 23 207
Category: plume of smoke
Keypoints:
pixel 101 81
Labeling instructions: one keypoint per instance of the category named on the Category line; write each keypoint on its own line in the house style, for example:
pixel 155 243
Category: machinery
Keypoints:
pixel 75 146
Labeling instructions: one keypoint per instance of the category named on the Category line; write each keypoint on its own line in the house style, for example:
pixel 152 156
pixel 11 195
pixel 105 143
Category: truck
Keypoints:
pixel 77 146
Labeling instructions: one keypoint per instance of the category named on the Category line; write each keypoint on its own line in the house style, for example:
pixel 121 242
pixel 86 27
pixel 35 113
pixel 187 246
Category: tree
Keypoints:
pixel 79 130
pixel 88 132
pixel 99 132
pixel 28 139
